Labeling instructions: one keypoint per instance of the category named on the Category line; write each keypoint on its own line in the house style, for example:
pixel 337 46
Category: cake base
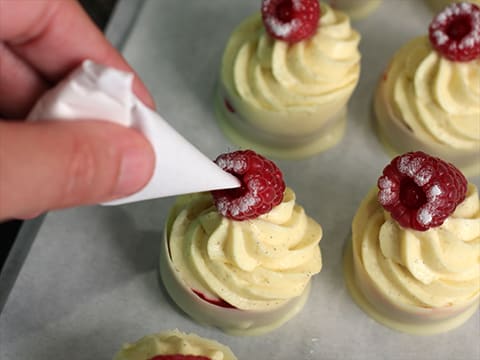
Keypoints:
pixel 231 320
pixel 247 137
pixel 427 328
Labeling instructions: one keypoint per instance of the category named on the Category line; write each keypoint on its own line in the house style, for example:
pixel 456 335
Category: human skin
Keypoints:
pixel 50 164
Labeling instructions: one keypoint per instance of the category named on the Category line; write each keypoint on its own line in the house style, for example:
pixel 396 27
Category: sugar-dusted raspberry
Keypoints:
pixel 179 357
pixel 291 20
pixel 262 185
pixel 455 32
pixel 421 191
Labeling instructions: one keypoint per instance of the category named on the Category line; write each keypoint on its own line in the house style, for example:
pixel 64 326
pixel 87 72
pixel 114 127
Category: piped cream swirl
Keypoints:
pixel 253 264
pixel 436 268
pixel 437 99
pixel 274 75
pixel 174 343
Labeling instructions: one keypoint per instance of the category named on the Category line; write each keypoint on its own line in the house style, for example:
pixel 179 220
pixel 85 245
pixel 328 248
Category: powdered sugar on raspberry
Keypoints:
pixel 236 165
pixel 462 8
pixel 434 192
pixel 440 37
pixel 412 167
pixel 448 42
pixel 282 29
pixel 420 191
pixel 239 206
pixel 387 193
pixel 278 28
pixel 423 176
pixel 409 166
pixel 425 216
pixel 262 185
pixel 291 20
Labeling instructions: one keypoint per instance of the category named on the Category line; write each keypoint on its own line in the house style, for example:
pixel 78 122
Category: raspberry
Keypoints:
pixel 179 357
pixel 229 106
pixel 455 32
pixel 262 185
pixel 291 20
pixel 421 191
pixel 216 302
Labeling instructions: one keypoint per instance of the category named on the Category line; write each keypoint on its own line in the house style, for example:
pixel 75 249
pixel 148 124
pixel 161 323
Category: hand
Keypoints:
pixel 49 165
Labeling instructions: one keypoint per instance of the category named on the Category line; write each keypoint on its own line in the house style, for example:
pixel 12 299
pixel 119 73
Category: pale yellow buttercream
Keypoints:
pixel 257 264
pixel 437 268
pixel 356 9
pixel 417 282
pixel 438 99
pixel 291 91
pixel 427 102
pixel 174 343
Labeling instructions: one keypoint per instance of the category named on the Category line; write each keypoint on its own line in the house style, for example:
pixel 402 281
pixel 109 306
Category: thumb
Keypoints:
pixel 49 165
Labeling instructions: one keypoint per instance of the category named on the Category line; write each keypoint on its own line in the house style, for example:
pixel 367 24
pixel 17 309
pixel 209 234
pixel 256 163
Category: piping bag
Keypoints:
pixel 94 91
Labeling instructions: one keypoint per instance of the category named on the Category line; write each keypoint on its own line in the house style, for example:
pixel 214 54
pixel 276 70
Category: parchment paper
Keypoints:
pixel 90 282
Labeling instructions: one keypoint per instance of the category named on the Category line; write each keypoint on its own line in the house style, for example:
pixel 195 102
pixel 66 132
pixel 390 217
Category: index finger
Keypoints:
pixel 54 37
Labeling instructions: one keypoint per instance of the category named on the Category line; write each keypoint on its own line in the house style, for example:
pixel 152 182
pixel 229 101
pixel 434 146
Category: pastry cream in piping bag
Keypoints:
pixel 282 94
pixel 419 282
pixel 428 102
pixel 174 343
pixel 257 264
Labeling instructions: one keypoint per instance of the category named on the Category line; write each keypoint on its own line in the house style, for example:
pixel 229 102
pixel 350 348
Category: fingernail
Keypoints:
pixel 135 170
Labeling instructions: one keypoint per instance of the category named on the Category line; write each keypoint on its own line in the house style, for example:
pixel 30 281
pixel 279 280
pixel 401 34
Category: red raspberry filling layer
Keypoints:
pixel 216 302
pixel 213 301
pixel 455 32
pixel 421 191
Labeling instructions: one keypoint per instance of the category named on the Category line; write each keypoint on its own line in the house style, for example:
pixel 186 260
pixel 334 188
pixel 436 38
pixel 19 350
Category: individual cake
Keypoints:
pixel 438 5
pixel 414 260
pixel 287 73
pixel 174 345
pixel 356 9
pixel 241 259
pixel 429 96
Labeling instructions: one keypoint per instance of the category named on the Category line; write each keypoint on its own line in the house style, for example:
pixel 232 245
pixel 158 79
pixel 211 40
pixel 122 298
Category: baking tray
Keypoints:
pixel 90 281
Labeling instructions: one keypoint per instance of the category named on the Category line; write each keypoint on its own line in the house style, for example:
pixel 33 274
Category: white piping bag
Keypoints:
pixel 96 91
